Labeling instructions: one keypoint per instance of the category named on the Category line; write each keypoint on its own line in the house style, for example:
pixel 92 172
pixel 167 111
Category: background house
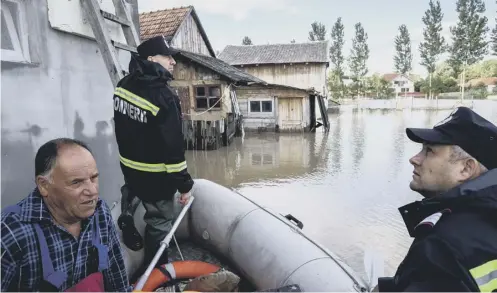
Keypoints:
pixel 297 65
pixel 55 84
pixel 275 107
pixel 206 88
pixel 181 27
pixel 400 83
pixel 299 69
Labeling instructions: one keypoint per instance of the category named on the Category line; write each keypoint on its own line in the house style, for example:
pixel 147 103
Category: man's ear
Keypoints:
pixel 470 169
pixel 150 58
pixel 42 184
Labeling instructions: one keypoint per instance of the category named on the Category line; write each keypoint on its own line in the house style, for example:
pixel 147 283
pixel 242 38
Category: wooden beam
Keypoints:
pixel 97 21
pixel 130 33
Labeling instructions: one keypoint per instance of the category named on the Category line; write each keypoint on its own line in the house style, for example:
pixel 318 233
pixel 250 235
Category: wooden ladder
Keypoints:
pixel 108 47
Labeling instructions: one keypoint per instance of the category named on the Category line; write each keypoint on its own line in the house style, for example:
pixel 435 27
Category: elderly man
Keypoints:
pixel 455 226
pixel 61 237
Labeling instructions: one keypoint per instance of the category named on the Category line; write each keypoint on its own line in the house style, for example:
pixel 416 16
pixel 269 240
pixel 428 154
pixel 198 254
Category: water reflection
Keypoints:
pixel 261 158
pixel 345 186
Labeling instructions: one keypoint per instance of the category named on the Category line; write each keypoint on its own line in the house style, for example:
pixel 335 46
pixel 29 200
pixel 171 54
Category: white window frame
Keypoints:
pixel 17 33
pixel 260 103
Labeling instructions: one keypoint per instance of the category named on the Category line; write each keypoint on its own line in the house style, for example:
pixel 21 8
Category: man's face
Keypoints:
pixel 434 171
pixel 73 190
pixel 167 62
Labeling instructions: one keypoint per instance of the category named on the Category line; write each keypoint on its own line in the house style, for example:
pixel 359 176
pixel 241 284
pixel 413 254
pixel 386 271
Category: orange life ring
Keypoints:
pixel 178 270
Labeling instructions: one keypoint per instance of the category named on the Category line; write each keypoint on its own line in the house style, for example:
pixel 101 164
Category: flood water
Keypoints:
pixel 345 185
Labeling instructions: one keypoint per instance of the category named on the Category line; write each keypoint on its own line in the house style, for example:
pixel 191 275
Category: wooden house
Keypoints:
pixel 206 87
pixel 204 84
pixel 300 65
pixel 181 28
pixel 278 108
pixel 297 95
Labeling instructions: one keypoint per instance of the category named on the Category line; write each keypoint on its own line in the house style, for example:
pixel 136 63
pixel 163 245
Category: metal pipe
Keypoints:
pixel 164 245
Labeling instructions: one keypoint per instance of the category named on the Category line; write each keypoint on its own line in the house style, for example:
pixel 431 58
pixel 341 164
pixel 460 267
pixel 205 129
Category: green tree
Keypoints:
pixel 246 41
pixel 318 32
pixel 336 52
pixel 434 43
pixel 359 55
pixel 494 36
pixel 487 68
pixel 403 58
pixel 469 43
pixel 377 87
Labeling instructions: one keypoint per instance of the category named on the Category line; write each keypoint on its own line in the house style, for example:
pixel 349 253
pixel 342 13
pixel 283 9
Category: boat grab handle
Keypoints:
pixel 299 224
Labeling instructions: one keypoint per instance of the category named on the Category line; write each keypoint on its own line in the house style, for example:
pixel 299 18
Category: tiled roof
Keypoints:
pixel 221 67
pixel 162 22
pixel 482 80
pixel 276 53
pixel 392 76
pixel 166 22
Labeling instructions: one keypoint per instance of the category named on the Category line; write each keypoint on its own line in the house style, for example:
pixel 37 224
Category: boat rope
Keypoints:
pixel 177 246
pixel 345 268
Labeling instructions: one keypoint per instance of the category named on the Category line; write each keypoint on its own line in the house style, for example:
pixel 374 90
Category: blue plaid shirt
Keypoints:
pixel 21 259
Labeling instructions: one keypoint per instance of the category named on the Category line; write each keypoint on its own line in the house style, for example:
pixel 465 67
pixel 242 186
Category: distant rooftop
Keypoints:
pixel 312 52
pixel 392 76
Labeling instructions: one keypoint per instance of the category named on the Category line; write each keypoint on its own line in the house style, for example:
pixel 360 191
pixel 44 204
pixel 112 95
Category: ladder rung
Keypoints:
pixel 114 18
pixel 124 46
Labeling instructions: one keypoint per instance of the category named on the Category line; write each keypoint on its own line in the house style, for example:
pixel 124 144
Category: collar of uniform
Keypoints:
pixel 148 68
pixel 34 209
pixel 461 197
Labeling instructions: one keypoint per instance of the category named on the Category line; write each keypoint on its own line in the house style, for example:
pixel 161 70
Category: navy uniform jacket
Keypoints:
pixel 455 245
pixel 148 127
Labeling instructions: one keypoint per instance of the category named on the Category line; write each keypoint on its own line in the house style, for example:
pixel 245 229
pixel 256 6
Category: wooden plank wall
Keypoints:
pixel 297 75
pixel 209 130
pixel 189 38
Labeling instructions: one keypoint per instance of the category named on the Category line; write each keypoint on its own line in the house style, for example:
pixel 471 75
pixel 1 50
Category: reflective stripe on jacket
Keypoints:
pixel 148 128
pixel 455 245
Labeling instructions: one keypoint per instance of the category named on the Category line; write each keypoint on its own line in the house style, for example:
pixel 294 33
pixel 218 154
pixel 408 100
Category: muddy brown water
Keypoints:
pixel 345 185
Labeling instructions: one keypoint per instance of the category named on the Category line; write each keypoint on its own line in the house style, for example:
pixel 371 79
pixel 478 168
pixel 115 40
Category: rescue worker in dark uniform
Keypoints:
pixel 455 226
pixel 148 128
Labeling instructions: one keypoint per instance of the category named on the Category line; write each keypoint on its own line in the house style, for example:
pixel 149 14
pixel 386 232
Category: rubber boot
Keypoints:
pixel 131 237
pixel 152 245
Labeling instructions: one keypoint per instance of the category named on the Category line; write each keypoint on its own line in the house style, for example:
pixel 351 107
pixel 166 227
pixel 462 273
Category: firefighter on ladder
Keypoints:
pixel 148 128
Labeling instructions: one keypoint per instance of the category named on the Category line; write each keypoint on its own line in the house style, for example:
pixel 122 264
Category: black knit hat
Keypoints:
pixel 155 46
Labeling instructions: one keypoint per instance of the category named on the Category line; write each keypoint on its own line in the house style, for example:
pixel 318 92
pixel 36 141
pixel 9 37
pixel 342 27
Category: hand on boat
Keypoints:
pixel 184 198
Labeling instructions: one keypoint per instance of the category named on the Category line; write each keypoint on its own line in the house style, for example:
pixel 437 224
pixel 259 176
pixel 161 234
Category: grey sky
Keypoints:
pixel 279 21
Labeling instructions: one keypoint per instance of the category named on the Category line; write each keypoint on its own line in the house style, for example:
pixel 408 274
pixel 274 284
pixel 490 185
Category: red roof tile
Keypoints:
pixel 162 22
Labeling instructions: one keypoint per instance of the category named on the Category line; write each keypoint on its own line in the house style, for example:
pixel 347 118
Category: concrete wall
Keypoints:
pixel 64 91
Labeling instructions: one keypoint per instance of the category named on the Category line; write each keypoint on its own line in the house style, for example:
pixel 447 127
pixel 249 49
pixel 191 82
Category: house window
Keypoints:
pixel 261 106
pixel 208 97
pixel 262 159
pixel 14 35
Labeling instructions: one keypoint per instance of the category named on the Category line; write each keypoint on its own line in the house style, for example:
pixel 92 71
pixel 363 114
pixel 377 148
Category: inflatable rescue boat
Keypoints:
pixel 265 248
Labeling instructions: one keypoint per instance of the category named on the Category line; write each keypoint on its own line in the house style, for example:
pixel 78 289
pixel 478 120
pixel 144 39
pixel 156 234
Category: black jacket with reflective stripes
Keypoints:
pixel 148 128
pixel 455 245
